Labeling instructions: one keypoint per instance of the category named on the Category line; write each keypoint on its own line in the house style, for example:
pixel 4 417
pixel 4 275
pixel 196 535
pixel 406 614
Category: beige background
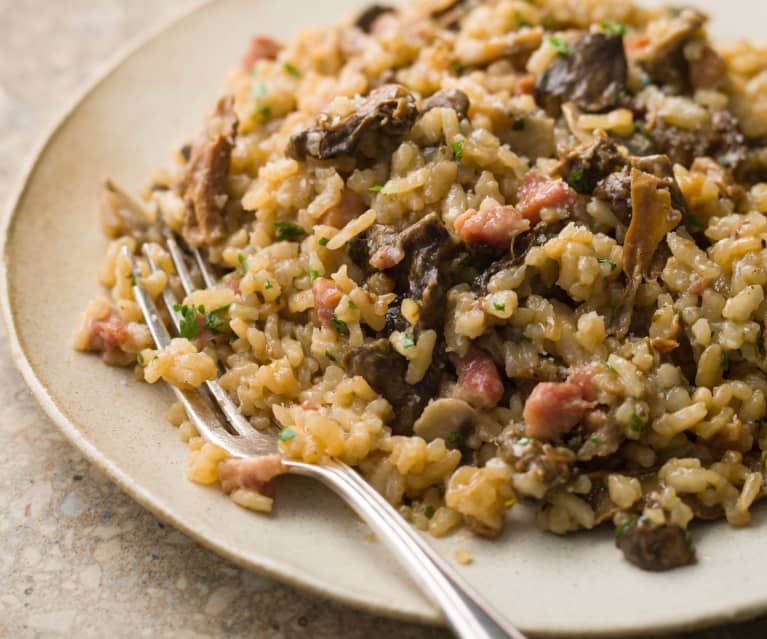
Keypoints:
pixel 77 557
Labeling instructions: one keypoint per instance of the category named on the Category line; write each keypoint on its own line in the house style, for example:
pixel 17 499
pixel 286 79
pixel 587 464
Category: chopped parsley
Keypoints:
pixel 595 439
pixel 610 263
pixel 330 356
pixel 521 22
pixel 243 264
pixel 408 341
pixel 526 440
pixel 261 111
pixel 259 91
pixel 613 28
pixel 626 525
pixel 324 241
pixel 376 188
pixel 132 279
pixel 352 305
pixel 264 112
pixel 268 284
pixel 578 179
pixel 518 124
pixel 292 69
pixel 695 221
pixel 287 231
pixel 476 262
pixel 313 275
pixel 458 149
pixel 637 424
pixel 725 362
pixel 688 538
pixel 429 512
pixel 140 358
pixel 189 326
pixel 215 321
pixel 499 307
pixel 286 434
pixel 550 23
pixel 339 325
pixel 560 45
pixel 455 438
pixel 457 67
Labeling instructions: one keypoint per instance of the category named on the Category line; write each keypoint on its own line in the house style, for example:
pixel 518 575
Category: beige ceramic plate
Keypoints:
pixel 124 127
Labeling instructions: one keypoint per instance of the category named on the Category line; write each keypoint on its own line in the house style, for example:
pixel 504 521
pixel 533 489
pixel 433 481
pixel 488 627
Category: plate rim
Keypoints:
pixel 20 183
pixel 261 564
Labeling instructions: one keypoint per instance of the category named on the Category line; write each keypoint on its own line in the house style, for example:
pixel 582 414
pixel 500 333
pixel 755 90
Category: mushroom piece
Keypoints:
pixel 444 416
pixel 655 548
pixel 592 75
pixel 119 213
pixel 381 121
pixel 652 217
pixel 448 99
pixel 664 59
pixel 204 185
pixel 367 17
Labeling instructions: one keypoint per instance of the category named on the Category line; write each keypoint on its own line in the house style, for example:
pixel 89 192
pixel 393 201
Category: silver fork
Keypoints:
pixel 467 612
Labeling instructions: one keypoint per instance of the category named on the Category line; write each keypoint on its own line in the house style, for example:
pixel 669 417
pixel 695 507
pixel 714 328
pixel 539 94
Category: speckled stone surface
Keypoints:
pixel 77 556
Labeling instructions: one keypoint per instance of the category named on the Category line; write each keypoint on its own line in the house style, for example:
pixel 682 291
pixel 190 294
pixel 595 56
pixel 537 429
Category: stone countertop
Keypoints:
pixel 77 556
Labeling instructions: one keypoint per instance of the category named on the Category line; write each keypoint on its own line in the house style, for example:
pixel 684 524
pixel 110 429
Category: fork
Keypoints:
pixel 468 613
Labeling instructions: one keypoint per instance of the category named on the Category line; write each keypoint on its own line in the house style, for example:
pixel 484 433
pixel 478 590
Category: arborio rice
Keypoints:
pixel 489 253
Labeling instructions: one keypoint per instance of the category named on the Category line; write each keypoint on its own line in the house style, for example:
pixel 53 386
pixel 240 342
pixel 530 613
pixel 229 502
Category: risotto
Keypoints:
pixel 494 254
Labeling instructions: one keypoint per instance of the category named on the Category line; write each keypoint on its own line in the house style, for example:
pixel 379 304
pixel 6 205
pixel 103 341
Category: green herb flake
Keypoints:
pixel 286 434
pixel 408 341
pixel 560 45
pixel 140 358
pixel 457 67
pixel 595 439
pixel 339 325
pixel 428 512
pixel 292 69
pixel 313 275
pixel 637 424
pixel 454 437
pixel 264 112
pixel 613 28
pixel 215 321
pixel 132 279
pixel 518 124
pixel 376 188
pixel 610 263
pixel 725 362
pixel 268 284
pixel 499 307
pixel 626 525
pixel 695 221
pixel 458 149
pixel 330 356
pixel 579 181
pixel 189 326
pixel 352 305
pixel 243 263
pixel 259 91
pixel 689 539
pixel 287 231
pixel 521 22
pixel 476 262
pixel 323 241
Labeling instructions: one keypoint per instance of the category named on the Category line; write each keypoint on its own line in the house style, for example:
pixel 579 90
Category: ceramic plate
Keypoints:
pixel 123 127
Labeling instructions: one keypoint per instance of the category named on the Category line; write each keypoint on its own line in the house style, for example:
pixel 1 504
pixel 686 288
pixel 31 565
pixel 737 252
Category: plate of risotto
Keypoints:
pixel 507 259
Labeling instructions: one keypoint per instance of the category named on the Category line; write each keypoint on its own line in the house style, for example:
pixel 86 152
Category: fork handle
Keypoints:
pixel 467 613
